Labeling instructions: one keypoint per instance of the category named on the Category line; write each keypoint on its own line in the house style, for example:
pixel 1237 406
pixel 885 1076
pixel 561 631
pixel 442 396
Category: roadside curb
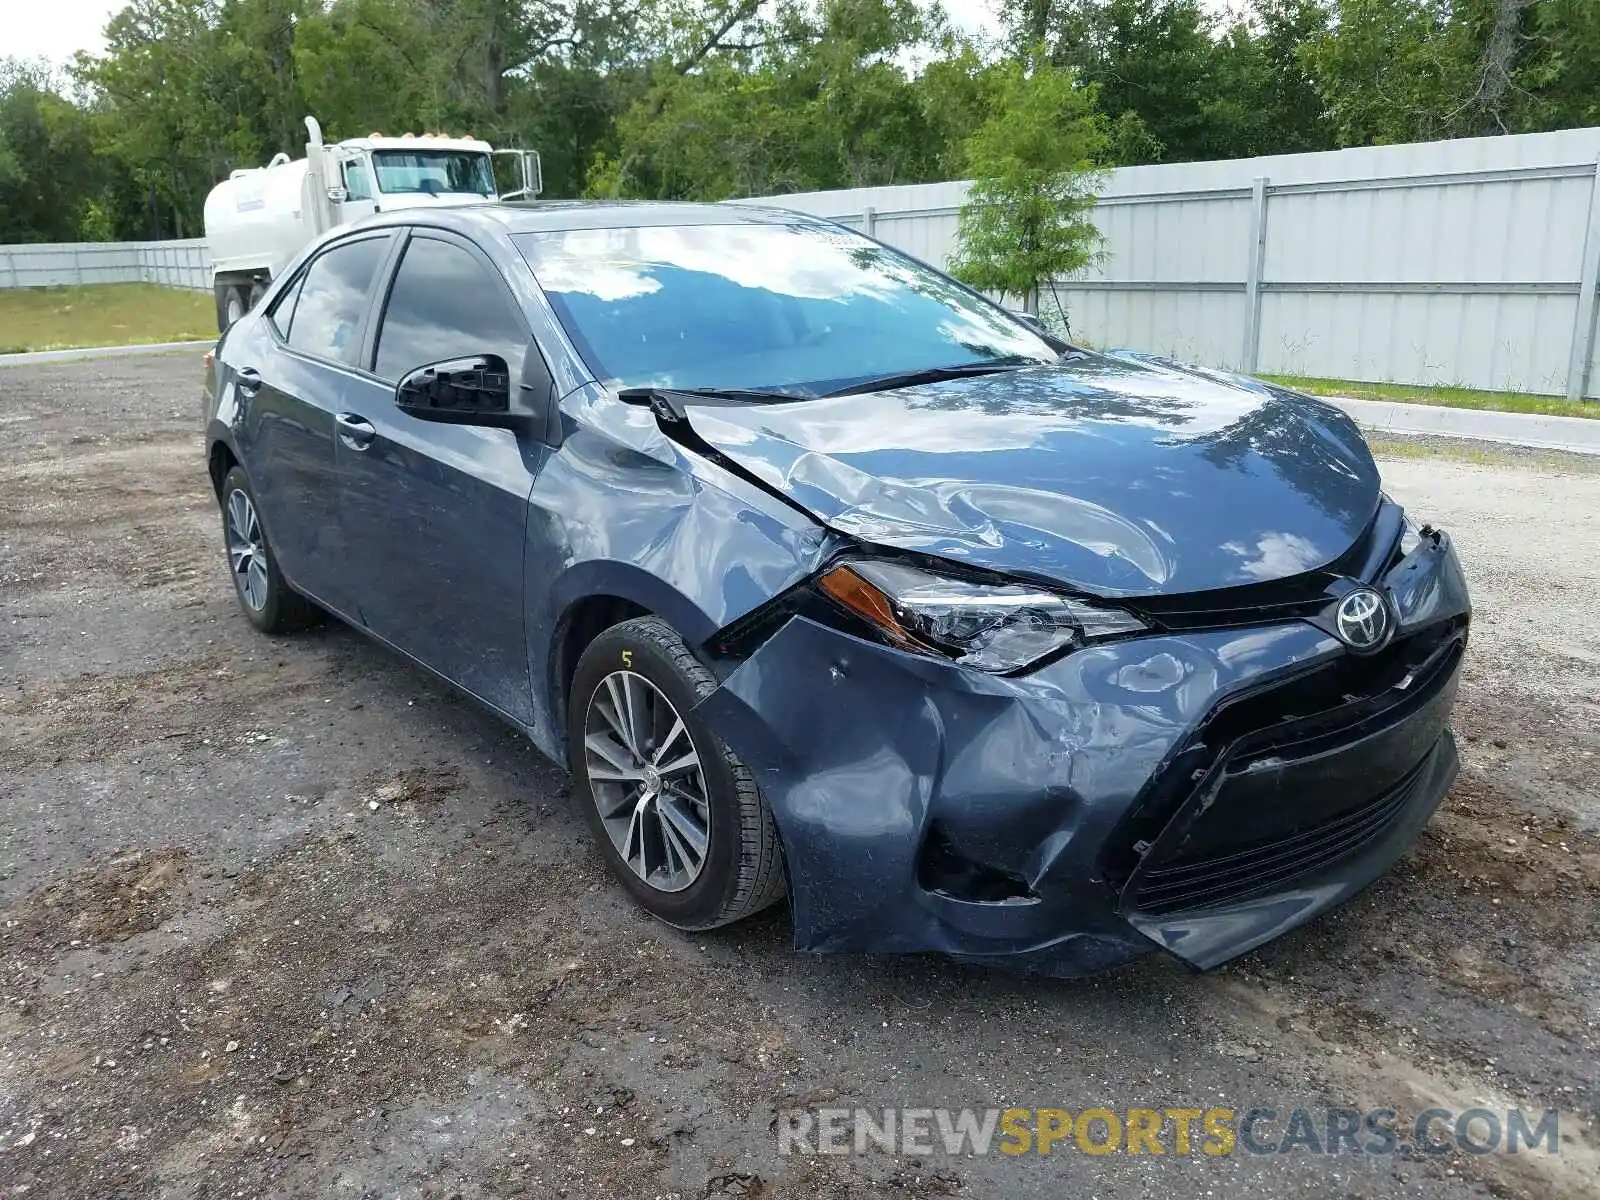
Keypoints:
pixel 1575 435
pixel 49 356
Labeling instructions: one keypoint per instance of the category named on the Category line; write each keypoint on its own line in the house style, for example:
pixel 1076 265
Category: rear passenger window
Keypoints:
pixel 447 304
pixel 327 317
pixel 282 314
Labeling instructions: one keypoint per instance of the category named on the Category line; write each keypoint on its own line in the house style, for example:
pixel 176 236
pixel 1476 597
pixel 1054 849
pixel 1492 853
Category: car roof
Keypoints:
pixel 540 216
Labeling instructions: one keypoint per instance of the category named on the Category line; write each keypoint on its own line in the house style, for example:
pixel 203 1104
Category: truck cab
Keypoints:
pixel 259 218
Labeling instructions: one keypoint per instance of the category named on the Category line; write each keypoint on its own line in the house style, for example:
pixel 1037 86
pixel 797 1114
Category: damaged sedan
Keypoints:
pixel 830 579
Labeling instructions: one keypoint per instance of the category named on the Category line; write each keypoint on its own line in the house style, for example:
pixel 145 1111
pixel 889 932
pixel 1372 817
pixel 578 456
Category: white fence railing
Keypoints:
pixel 182 264
pixel 1472 263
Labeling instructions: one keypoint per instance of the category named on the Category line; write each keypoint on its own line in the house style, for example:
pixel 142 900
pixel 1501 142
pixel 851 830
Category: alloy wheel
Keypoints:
pixel 646 779
pixel 247 551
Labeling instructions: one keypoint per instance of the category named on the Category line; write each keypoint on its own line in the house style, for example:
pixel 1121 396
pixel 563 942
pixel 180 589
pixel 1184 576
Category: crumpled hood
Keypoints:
pixel 1115 474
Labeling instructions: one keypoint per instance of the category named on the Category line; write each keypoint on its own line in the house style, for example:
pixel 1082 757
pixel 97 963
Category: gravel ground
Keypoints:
pixel 284 917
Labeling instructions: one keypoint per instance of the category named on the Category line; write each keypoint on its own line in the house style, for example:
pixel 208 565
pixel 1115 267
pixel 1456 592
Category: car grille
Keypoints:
pixel 1183 882
pixel 1286 782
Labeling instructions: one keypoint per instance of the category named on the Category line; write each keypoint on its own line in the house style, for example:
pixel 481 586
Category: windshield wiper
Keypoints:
pixel 668 401
pixel 887 383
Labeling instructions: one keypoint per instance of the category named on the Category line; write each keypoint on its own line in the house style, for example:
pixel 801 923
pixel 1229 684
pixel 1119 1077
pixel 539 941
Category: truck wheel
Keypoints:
pixel 257 290
pixel 232 303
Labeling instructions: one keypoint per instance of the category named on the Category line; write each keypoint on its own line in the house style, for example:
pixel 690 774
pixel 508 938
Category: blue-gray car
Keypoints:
pixel 831 580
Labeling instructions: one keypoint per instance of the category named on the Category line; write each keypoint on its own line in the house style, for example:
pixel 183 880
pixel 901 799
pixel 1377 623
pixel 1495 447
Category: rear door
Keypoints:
pixel 434 515
pixel 293 378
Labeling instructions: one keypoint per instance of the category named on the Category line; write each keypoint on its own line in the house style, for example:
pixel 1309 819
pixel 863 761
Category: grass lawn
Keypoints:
pixel 1483 454
pixel 105 314
pixel 1446 397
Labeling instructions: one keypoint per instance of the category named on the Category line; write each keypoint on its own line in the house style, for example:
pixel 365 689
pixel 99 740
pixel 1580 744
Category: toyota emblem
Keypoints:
pixel 1363 620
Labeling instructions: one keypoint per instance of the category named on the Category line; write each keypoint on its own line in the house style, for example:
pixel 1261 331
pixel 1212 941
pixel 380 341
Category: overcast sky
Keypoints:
pixel 58 29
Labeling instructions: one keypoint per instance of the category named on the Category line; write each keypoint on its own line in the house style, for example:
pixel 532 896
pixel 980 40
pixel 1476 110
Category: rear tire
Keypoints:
pixel 258 289
pixel 233 301
pixel 269 603
pixel 660 812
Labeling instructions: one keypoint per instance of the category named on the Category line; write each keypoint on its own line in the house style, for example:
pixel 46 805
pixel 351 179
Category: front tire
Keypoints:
pixel 271 605
pixel 677 816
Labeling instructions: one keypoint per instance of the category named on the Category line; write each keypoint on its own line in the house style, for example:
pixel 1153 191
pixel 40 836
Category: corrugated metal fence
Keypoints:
pixel 182 264
pixel 1472 263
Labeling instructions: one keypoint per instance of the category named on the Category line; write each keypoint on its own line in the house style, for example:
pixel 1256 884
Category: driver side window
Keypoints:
pixel 447 304
pixel 356 185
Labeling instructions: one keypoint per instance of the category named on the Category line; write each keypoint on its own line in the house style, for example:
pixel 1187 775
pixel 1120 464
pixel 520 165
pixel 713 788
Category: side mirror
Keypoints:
pixel 337 194
pixel 461 391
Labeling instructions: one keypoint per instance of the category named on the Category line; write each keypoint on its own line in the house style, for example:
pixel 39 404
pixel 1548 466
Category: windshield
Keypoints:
pixel 432 171
pixel 761 306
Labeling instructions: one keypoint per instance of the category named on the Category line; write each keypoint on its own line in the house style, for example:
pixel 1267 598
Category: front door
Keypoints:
pixel 435 515
pixel 358 199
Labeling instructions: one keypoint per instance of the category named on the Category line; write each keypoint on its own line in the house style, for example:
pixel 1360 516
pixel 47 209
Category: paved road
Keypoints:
pixel 283 917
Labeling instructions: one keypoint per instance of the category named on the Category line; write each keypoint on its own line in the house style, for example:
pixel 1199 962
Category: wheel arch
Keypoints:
pixel 220 459
pixel 590 598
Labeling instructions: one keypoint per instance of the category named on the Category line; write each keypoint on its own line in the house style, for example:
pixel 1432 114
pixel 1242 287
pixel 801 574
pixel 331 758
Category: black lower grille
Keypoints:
pixel 1187 882
pixel 1284 783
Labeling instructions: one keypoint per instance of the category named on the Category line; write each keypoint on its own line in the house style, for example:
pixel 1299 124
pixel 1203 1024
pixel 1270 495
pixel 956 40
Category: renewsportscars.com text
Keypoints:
pixel 1259 1130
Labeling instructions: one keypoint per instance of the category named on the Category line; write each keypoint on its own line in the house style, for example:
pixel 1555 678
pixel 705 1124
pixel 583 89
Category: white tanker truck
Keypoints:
pixel 259 218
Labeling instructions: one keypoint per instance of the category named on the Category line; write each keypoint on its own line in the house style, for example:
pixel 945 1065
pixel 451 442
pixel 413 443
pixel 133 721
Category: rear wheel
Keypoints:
pixel 258 289
pixel 271 604
pixel 233 301
pixel 677 816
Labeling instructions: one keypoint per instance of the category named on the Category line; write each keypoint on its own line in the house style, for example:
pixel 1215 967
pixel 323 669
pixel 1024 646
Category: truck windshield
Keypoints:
pixel 804 306
pixel 433 171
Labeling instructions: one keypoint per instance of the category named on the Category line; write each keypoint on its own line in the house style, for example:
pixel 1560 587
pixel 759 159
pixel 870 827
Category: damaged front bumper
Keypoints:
pixel 1200 791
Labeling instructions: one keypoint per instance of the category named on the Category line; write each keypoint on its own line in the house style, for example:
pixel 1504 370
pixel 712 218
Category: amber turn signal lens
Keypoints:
pixel 866 601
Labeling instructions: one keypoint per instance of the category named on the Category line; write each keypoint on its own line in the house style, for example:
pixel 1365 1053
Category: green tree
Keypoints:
pixel 1393 70
pixel 1035 165
pixel 1179 86
pixel 1557 72
pixel 54 186
pixel 1263 100
pixel 1153 58
pixel 1416 70
pixel 793 101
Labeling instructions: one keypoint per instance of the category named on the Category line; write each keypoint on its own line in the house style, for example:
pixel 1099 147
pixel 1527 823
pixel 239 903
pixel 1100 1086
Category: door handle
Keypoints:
pixel 248 381
pixel 355 432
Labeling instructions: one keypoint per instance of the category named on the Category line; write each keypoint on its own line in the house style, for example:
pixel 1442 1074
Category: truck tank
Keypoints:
pixel 256 220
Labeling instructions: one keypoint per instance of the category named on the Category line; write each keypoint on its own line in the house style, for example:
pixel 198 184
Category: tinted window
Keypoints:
pixel 761 306
pixel 327 318
pixel 282 313
pixel 446 304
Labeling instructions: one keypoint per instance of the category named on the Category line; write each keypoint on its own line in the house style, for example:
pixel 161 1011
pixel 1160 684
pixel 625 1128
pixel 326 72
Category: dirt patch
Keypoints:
pixel 200 704
pixel 1482 847
pixel 417 788
pixel 132 893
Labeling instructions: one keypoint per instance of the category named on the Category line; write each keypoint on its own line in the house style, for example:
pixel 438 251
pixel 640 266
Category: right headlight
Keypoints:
pixel 1410 535
pixel 998 627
